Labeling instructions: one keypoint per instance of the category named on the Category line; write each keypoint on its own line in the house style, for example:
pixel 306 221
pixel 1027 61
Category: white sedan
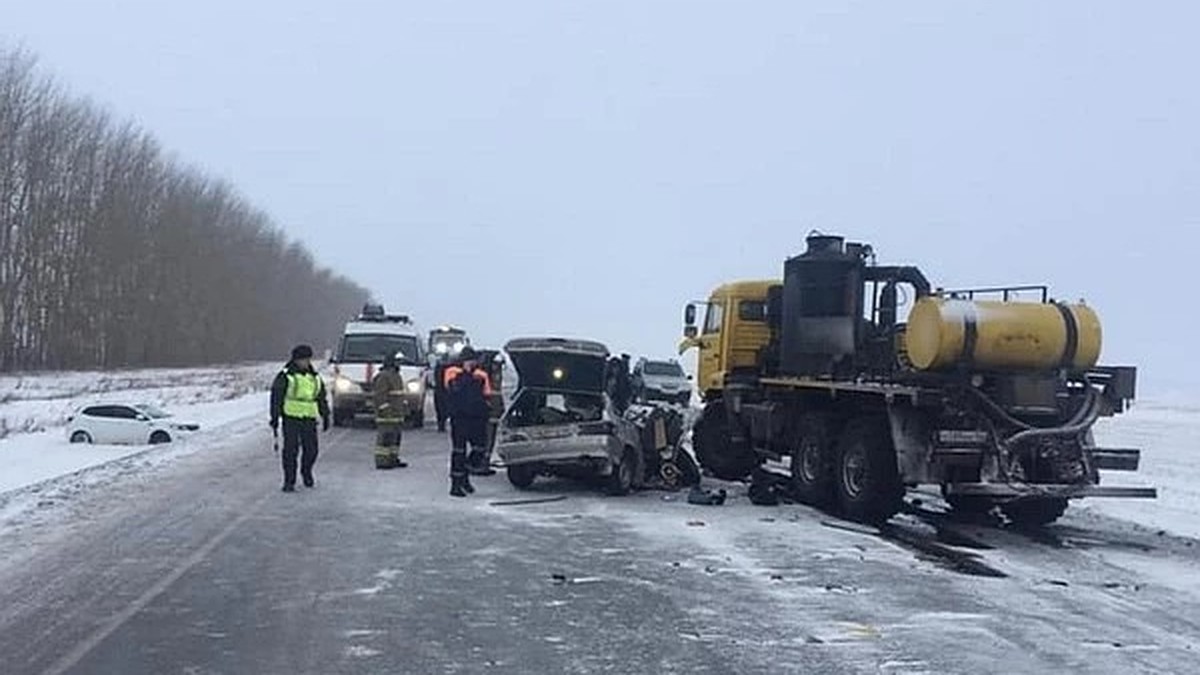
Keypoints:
pixel 125 424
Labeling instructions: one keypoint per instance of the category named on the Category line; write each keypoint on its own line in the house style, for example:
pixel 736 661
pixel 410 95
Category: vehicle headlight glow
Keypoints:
pixel 343 385
pixel 415 386
pixel 441 348
pixel 558 373
pixel 458 346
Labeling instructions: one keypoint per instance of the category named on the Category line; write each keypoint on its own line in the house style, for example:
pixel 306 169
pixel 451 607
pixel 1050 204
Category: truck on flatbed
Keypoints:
pixel 990 394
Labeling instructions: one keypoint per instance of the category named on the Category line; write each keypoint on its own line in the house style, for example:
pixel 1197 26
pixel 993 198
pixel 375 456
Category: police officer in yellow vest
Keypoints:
pixel 298 398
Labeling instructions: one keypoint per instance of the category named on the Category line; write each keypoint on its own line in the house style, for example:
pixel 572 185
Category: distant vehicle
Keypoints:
pixel 359 356
pixel 661 381
pixel 447 342
pixel 125 424
pixel 562 421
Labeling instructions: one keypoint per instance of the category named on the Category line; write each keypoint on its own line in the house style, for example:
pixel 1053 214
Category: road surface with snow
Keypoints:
pixel 200 565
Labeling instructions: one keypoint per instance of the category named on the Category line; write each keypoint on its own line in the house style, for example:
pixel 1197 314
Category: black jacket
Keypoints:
pixel 468 393
pixel 279 392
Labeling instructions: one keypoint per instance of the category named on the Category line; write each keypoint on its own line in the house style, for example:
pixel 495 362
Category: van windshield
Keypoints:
pixel 371 348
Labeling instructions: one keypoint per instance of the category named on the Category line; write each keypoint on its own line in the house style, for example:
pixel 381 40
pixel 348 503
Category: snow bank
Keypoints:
pixel 1168 434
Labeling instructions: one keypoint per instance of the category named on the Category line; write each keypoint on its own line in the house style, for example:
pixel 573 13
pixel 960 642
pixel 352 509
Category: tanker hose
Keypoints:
pixel 1083 420
pixel 997 410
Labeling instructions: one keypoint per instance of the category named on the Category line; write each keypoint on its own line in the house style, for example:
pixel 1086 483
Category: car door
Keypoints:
pixel 127 427
pixel 103 424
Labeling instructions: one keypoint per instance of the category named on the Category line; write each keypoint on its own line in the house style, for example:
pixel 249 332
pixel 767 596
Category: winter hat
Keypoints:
pixel 302 352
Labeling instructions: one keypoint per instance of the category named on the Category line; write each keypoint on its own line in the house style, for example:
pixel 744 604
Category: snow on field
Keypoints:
pixel 1168 434
pixel 33 411
pixel 41 401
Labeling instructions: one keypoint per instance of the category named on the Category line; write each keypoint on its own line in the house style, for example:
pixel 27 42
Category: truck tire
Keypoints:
pixel 620 481
pixel 522 475
pixel 812 460
pixel 710 439
pixel 867 479
pixel 1034 512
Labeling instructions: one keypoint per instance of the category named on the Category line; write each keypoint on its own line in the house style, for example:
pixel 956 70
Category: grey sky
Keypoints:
pixel 587 167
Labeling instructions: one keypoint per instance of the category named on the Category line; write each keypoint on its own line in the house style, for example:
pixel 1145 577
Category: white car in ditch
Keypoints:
pixel 561 421
pixel 125 424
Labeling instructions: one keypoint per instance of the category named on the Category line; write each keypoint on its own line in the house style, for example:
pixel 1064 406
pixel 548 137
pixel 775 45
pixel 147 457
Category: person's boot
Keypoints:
pixel 400 464
pixel 466 482
pixel 308 480
pixel 288 487
pixel 456 487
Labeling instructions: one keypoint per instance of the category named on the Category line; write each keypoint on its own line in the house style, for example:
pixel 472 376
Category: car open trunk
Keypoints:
pixel 559 364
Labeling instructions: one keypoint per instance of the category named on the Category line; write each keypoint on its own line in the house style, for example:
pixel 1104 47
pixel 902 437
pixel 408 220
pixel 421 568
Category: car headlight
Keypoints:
pixel 441 348
pixel 344 385
pixel 415 386
pixel 458 346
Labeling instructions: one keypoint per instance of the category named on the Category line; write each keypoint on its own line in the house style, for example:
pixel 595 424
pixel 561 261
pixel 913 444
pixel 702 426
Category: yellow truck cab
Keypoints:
pixel 734 332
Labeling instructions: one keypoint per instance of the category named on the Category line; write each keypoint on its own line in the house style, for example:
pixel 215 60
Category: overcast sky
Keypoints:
pixel 588 167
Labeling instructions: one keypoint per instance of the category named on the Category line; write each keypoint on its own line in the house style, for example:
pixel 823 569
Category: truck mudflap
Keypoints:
pixel 1024 491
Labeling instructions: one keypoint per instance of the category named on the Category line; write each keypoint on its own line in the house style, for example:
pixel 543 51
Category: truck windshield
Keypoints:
pixel 371 348
pixel 664 368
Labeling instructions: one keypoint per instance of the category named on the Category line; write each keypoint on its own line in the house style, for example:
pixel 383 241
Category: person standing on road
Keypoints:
pixel 298 398
pixel 390 411
pixel 468 388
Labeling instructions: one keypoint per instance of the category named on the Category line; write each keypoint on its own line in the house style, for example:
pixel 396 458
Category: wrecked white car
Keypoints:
pixel 562 421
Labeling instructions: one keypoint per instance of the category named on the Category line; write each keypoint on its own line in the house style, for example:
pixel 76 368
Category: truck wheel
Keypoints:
pixel 620 481
pixel 812 461
pixel 1034 512
pixel 522 475
pixel 710 438
pixel 867 479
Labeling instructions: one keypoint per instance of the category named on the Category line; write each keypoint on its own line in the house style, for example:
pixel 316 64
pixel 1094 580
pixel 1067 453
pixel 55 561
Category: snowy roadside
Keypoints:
pixel 33 411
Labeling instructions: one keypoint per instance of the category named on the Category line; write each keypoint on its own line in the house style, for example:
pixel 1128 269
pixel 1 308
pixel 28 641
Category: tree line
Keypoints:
pixel 114 254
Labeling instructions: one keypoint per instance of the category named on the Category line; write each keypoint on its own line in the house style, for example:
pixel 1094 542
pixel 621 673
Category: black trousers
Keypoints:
pixel 298 434
pixel 441 405
pixel 466 431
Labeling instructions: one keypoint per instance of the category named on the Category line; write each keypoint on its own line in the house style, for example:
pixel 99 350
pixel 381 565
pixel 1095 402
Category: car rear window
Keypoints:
pixel 663 368
pixel 541 408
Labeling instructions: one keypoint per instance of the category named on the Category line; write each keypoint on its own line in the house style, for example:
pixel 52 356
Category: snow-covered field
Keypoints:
pixel 1168 434
pixel 34 408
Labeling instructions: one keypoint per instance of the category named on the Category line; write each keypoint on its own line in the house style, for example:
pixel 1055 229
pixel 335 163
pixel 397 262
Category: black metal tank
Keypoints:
pixel 822 306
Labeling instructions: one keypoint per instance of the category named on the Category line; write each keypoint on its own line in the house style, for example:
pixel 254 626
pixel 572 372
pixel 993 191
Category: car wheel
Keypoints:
pixel 81 437
pixel 620 481
pixel 522 475
pixel 160 437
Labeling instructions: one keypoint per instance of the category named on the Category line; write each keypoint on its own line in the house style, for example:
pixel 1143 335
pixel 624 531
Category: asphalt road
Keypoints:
pixel 202 566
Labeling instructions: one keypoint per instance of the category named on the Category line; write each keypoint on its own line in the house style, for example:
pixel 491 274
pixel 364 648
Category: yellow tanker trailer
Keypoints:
pixel 990 393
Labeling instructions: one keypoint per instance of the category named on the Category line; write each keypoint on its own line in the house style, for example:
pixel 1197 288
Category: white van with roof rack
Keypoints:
pixel 365 342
